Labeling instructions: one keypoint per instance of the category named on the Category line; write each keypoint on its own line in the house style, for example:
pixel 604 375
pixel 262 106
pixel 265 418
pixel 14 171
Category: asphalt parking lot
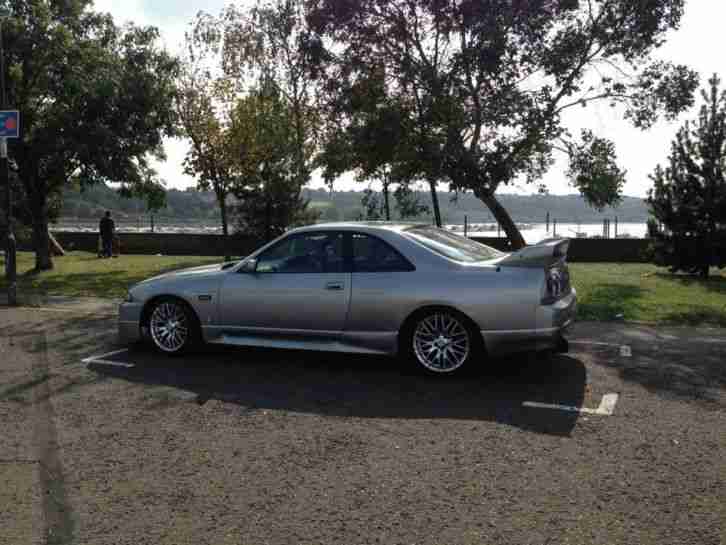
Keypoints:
pixel 622 440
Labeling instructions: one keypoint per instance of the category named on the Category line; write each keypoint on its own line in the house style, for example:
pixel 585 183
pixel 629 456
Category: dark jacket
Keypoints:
pixel 106 227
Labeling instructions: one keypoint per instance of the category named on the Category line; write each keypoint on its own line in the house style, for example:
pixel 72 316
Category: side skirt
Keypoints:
pixel 350 342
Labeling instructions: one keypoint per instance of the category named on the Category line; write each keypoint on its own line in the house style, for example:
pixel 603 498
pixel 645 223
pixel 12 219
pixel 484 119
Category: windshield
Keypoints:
pixel 451 245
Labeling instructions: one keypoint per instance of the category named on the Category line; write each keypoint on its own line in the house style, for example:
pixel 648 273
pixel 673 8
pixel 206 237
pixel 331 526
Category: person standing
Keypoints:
pixel 106 228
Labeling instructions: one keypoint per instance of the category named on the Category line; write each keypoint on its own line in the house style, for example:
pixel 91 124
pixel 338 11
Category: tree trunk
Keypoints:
pixel 55 247
pixel 386 205
pixel 505 220
pixel 222 201
pixel 435 202
pixel 268 219
pixel 41 241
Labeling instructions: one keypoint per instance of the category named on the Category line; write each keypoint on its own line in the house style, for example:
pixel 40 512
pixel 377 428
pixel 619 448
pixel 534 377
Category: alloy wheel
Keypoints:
pixel 169 327
pixel 441 342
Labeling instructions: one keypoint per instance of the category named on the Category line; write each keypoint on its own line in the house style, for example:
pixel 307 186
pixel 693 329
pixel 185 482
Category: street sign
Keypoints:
pixel 9 124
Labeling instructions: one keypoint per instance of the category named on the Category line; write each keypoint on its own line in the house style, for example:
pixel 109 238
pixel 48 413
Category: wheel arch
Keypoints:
pixel 407 324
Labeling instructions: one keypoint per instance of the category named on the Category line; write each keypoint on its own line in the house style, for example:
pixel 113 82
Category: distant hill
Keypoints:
pixel 191 205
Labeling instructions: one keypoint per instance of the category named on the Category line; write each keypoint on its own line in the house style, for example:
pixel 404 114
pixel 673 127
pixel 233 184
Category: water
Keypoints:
pixel 532 232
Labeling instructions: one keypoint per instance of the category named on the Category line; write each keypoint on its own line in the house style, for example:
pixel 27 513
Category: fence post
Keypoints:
pixel 616 227
pixel 554 227
pixel 466 225
pixel 498 234
pixel 548 222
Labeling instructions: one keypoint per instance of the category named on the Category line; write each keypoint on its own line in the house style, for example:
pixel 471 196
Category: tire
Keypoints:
pixel 173 326
pixel 441 342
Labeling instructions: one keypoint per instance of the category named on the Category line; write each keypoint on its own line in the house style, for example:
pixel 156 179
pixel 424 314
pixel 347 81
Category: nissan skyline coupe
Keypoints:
pixel 443 302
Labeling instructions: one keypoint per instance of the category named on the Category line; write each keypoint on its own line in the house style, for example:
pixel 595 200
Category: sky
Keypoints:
pixel 695 44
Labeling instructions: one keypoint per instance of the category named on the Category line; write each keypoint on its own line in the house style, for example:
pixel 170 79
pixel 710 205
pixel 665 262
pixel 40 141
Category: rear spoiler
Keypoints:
pixel 541 255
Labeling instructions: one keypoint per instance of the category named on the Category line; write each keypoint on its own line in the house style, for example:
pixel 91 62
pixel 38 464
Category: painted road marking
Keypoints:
pixel 625 351
pixel 103 361
pixel 597 343
pixel 606 408
pixel 104 356
pixel 111 363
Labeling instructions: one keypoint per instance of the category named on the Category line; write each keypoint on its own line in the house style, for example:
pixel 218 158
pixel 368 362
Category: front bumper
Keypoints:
pixel 551 321
pixel 129 323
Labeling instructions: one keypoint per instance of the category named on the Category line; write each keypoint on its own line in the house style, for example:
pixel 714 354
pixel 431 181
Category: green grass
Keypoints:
pixel 80 274
pixel 646 293
pixel 639 292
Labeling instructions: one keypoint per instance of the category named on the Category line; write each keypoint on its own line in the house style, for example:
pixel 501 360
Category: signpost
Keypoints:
pixel 9 124
pixel 9 128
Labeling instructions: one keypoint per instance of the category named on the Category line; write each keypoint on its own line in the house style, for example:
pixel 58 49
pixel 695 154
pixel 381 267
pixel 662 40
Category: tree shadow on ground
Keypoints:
pixel 715 283
pixel 684 369
pixel 97 283
pixel 697 316
pixel 345 385
pixel 606 301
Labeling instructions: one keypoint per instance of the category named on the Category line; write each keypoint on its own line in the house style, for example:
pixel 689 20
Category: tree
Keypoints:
pixel 374 142
pixel 481 86
pixel 689 196
pixel 95 101
pixel 407 203
pixel 268 186
pixel 205 104
pixel 271 43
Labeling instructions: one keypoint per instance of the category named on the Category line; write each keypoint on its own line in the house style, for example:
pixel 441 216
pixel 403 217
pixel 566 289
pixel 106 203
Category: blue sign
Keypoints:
pixel 9 124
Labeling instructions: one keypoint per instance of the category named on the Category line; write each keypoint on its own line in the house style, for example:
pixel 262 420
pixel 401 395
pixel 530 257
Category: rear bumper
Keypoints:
pixel 129 323
pixel 552 322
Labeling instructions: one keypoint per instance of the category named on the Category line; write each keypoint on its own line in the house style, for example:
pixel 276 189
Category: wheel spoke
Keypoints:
pixel 441 342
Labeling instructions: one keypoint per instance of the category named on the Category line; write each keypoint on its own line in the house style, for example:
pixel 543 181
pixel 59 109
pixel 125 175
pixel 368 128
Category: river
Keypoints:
pixel 532 232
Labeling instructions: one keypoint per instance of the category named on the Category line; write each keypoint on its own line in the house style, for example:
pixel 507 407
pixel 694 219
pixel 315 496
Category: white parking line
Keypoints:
pixel 606 408
pixel 111 363
pixel 596 343
pixel 96 360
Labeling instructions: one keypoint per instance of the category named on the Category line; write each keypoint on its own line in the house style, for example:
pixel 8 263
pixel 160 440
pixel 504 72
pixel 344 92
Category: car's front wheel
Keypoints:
pixel 172 326
pixel 442 342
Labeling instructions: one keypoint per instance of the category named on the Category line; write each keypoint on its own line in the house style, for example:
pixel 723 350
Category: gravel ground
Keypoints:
pixel 256 447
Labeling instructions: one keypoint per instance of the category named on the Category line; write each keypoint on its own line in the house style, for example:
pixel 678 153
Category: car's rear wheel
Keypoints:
pixel 172 326
pixel 442 342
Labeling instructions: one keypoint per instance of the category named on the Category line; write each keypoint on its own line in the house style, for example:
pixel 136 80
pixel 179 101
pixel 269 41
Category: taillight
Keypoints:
pixel 557 283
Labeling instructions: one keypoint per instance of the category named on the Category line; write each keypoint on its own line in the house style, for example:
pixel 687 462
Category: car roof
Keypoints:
pixel 369 226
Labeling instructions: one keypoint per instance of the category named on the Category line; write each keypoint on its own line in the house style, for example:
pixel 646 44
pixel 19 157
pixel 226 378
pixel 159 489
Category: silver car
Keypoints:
pixel 440 300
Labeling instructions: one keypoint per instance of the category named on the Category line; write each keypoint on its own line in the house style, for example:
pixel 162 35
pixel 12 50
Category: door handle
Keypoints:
pixel 335 286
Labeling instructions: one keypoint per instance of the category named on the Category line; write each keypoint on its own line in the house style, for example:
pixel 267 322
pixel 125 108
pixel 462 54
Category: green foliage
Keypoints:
pixel 96 101
pixel 408 204
pixel 689 196
pixel 473 93
pixel 269 188
pixel 594 171
pixel 372 206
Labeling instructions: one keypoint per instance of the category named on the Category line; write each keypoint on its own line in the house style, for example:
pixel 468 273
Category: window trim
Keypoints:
pixel 330 234
pixel 351 265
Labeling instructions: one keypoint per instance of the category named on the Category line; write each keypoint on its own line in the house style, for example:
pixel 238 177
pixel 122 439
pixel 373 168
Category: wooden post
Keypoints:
pixel 616 227
pixel 554 227
pixel 466 225
pixel 548 222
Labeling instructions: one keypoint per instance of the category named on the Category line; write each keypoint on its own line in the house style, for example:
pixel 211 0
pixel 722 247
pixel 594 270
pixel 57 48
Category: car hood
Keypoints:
pixel 204 270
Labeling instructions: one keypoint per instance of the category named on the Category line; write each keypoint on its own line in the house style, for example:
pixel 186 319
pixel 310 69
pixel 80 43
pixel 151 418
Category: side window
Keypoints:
pixel 371 254
pixel 304 254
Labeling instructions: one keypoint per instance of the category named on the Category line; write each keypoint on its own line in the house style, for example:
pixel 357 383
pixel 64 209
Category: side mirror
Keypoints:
pixel 249 266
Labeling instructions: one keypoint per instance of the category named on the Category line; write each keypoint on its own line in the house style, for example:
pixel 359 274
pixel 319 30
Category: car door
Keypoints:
pixel 381 285
pixel 300 285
